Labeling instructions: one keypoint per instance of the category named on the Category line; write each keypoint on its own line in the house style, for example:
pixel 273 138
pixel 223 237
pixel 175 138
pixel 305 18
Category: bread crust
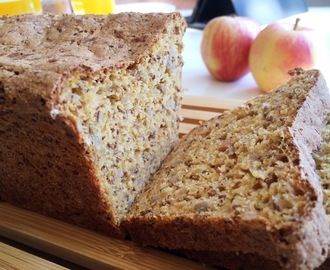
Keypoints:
pixel 62 177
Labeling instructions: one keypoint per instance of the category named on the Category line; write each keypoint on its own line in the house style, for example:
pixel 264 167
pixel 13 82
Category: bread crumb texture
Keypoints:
pixel 235 260
pixel 245 181
pixel 322 158
pixel 89 109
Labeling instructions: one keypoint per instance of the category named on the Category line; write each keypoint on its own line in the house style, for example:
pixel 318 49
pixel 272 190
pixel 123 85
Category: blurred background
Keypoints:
pixel 197 12
pixel 206 8
pixel 189 4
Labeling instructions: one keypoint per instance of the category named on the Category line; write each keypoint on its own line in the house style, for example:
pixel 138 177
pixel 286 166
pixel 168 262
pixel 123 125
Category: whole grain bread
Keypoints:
pixel 88 111
pixel 238 260
pixel 245 182
pixel 322 159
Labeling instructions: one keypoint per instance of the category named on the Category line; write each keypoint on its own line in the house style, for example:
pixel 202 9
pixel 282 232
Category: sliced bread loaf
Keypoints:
pixel 88 111
pixel 245 182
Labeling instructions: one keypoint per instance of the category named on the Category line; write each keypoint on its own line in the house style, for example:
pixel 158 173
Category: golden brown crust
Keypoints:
pixel 232 260
pixel 208 233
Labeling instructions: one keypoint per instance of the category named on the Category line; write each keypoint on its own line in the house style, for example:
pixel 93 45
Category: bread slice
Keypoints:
pixel 245 182
pixel 88 111
pixel 238 260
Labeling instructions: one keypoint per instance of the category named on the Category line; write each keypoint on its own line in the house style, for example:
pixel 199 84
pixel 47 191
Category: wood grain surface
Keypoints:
pixel 14 258
pixel 196 109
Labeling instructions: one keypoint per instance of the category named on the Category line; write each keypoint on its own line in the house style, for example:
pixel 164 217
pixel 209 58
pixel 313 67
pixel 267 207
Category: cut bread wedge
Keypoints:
pixel 239 260
pixel 245 182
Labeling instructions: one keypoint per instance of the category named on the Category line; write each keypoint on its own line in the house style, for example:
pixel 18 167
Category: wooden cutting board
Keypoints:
pixel 87 248
pixel 196 109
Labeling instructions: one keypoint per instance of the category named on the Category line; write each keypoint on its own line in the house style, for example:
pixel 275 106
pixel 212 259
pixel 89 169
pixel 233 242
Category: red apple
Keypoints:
pixel 279 48
pixel 226 44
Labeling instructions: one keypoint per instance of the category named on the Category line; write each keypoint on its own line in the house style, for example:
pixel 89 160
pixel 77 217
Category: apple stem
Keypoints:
pixel 296 24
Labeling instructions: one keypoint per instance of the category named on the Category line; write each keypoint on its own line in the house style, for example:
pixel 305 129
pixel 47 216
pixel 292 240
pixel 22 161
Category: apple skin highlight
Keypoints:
pixel 226 45
pixel 280 48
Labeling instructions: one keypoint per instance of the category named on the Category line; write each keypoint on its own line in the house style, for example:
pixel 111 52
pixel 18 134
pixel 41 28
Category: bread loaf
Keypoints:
pixel 245 182
pixel 88 111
